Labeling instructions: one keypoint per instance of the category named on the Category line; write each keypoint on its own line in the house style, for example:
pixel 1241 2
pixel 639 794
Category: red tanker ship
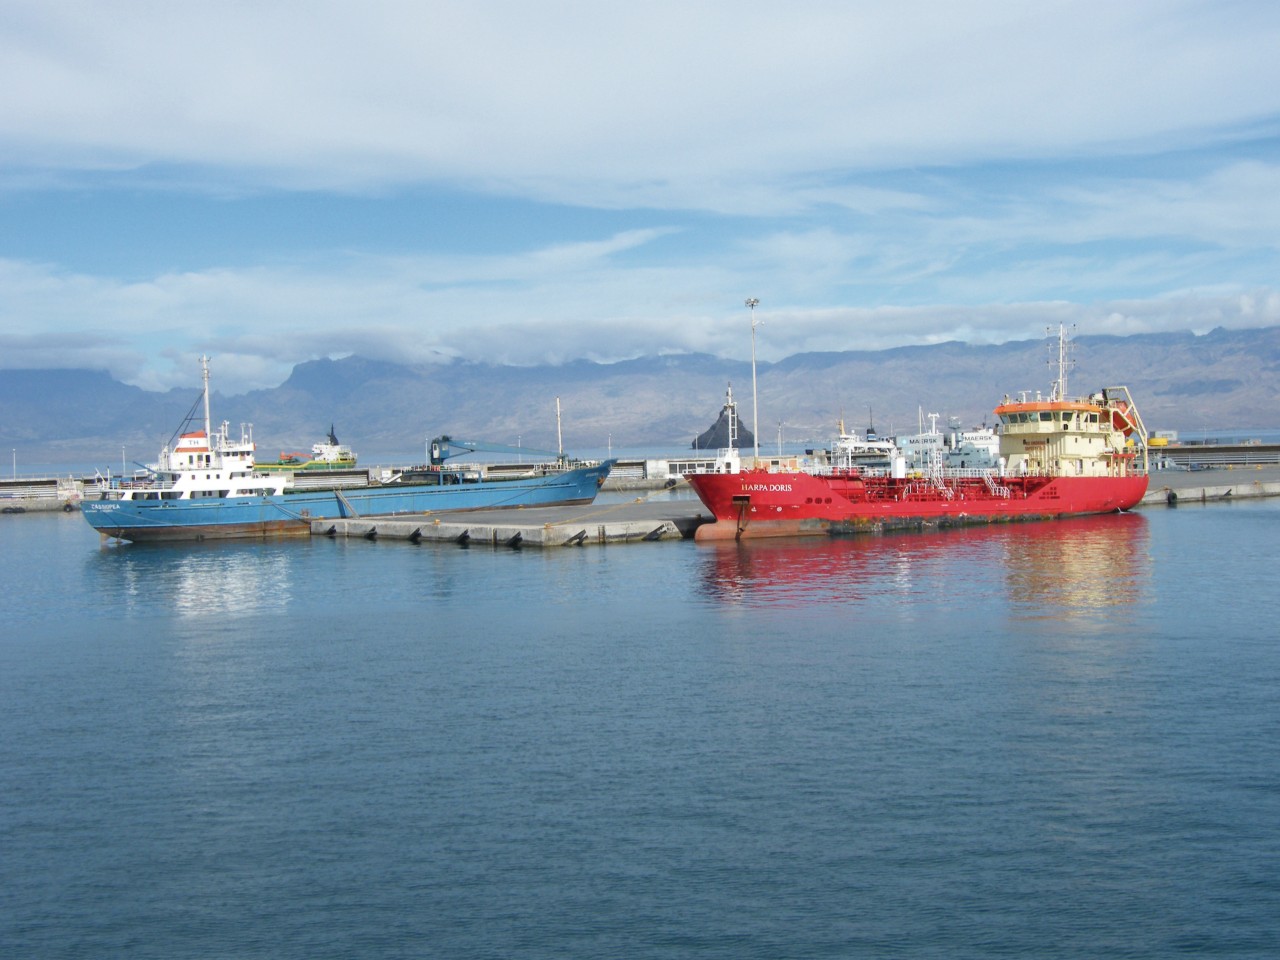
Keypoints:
pixel 1058 457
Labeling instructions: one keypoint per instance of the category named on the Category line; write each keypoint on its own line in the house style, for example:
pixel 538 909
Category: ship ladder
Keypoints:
pixel 941 486
pixel 997 489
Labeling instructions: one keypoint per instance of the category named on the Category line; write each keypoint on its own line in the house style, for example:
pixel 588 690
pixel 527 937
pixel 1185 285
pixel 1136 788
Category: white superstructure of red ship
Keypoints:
pixel 1059 456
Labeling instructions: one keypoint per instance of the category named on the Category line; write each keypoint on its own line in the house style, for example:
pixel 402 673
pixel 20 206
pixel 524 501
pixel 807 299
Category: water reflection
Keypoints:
pixel 200 580
pixel 1085 565
pixel 1073 568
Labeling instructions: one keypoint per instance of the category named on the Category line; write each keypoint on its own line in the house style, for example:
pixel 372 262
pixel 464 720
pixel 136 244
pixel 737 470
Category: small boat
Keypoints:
pixel 205 486
pixel 328 454
pixel 1058 456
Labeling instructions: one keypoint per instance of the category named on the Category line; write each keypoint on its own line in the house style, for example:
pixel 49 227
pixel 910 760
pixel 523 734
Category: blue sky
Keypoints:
pixel 528 182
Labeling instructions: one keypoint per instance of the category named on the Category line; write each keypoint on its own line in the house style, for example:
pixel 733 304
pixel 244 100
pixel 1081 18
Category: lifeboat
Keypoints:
pixel 1120 419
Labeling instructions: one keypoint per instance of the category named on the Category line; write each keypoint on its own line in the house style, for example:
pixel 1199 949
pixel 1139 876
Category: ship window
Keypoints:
pixel 1046 415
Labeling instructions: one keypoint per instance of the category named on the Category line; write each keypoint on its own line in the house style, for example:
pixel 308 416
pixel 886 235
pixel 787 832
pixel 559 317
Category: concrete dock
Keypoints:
pixel 642 520
pixel 1170 487
pixel 635 521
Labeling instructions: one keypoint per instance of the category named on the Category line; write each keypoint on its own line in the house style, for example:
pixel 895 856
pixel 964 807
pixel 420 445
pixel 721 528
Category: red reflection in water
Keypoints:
pixel 1071 565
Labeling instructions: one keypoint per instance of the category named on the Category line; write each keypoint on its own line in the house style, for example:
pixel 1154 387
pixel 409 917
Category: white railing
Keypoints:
pixel 997 489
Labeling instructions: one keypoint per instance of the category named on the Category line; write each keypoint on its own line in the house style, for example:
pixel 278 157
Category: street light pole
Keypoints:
pixel 752 303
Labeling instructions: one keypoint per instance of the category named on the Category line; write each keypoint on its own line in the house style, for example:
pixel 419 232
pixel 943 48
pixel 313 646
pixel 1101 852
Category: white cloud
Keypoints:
pixel 667 102
pixel 842 161
pixel 544 307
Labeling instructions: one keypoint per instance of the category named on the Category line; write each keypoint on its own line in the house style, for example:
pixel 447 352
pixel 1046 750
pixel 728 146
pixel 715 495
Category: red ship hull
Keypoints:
pixel 761 504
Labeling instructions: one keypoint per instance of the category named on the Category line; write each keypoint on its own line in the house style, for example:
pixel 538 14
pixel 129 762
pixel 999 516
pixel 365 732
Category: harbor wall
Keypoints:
pixel 41 494
pixel 1171 487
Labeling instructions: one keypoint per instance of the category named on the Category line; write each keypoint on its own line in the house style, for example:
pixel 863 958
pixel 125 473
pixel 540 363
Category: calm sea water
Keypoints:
pixel 1054 740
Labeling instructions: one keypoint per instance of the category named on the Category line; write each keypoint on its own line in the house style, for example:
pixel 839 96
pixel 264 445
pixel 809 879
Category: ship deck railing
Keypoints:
pixel 946 473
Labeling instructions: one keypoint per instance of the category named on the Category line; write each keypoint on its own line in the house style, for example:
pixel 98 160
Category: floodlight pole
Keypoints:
pixel 752 303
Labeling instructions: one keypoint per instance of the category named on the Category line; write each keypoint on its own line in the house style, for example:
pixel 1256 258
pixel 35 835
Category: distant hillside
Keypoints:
pixel 1223 379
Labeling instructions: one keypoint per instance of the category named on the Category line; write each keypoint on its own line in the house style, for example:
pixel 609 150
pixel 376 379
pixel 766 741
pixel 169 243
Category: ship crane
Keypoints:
pixel 446 448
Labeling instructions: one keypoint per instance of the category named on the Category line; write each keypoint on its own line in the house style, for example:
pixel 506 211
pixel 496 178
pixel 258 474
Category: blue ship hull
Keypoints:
pixel 209 518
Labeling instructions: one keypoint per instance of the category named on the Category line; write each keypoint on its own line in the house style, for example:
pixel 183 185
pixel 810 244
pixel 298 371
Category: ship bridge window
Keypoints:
pixel 1045 416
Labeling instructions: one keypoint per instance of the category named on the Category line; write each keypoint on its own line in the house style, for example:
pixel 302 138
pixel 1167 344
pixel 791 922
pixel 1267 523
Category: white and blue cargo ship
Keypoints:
pixel 205 486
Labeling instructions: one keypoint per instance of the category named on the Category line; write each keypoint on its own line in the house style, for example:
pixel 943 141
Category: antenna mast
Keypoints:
pixel 1063 362
pixel 204 367
pixel 559 436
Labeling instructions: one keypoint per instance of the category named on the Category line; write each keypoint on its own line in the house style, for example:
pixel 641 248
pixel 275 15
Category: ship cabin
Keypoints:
pixel 200 467
pixel 1098 436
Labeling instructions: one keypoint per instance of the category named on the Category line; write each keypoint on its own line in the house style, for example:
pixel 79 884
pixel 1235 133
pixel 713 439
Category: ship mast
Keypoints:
pixel 1064 363
pixel 204 367
pixel 731 409
pixel 559 435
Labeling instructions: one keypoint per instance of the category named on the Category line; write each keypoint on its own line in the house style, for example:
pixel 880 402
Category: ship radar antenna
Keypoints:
pixel 1063 361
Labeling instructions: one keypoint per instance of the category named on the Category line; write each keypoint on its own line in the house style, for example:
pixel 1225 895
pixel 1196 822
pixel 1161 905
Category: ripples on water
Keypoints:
pixel 1046 740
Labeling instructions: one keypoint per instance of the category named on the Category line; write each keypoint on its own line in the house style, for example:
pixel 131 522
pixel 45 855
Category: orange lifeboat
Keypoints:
pixel 1120 418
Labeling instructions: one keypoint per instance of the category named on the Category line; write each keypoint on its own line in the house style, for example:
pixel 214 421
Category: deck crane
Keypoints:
pixel 446 448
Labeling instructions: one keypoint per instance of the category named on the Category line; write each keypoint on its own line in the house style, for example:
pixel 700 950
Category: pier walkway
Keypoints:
pixel 635 521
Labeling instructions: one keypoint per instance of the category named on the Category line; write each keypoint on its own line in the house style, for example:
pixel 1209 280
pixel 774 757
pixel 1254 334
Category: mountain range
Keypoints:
pixel 1224 379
